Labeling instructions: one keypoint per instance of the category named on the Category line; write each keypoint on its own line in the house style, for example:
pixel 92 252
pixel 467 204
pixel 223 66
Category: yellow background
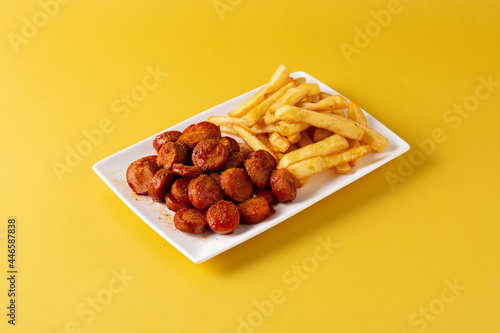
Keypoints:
pixel 398 247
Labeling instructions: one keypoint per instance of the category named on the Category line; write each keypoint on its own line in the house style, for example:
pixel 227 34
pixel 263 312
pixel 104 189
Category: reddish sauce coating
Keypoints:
pixel 235 147
pixel 210 154
pixel 258 170
pixel 234 160
pixel 141 172
pixel 190 220
pixel 236 184
pixel 164 137
pixel 204 192
pixel 186 171
pixel 266 156
pixel 160 184
pixel 254 210
pixel 266 193
pixel 173 204
pixel 223 217
pixel 180 191
pixel 170 153
pixel 283 185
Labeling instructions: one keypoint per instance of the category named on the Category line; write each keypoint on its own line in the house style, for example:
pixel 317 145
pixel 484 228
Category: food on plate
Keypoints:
pixel 254 210
pixel 283 185
pixel 259 170
pixel 236 184
pixel 160 184
pixel 141 172
pixel 190 220
pixel 223 217
pixel 171 152
pixel 210 154
pixel 204 192
pixel 164 137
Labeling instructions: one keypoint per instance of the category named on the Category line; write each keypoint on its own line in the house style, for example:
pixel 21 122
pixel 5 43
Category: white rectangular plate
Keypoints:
pixel 199 248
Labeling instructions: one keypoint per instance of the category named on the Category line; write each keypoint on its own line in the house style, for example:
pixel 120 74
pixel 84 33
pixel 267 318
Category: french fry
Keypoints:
pixel 304 140
pixel 323 95
pixel 298 81
pixel 294 138
pixel 320 134
pixel 291 148
pixel 343 168
pixel 286 128
pixel 279 142
pixel 251 140
pixel 333 144
pixel 263 128
pixel 300 182
pixel 329 103
pixel 279 78
pixel 330 122
pixel 291 96
pixel 371 137
pixel 255 114
pixel 317 164
pixel 228 130
pixel 355 113
pixel 353 144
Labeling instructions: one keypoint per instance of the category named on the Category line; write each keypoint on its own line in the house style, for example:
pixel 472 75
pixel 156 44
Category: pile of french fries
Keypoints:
pixel 306 130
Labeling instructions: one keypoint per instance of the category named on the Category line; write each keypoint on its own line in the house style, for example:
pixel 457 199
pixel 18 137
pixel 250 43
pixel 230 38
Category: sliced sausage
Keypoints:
pixel 160 184
pixel 190 220
pixel 223 217
pixel 265 155
pixel 234 160
pixel 204 126
pixel 170 153
pixel 164 137
pixel 266 193
pixel 173 204
pixel 216 177
pixel 258 170
pixel 254 210
pixel 283 185
pixel 236 184
pixel 141 172
pixel 204 192
pixel 235 146
pixel 191 139
pixel 210 155
pixel 245 149
pixel 186 171
pixel 180 191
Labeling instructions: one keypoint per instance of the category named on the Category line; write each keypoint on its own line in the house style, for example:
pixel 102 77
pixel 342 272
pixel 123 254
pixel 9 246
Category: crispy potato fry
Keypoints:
pixel 300 182
pixel 226 121
pixel 298 81
pixel 371 137
pixel 305 140
pixel 330 122
pixel 294 138
pixel 291 96
pixel 251 140
pixel 279 78
pixel 279 142
pixel 323 95
pixel 320 134
pixel 263 128
pixel 354 112
pixel 329 103
pixel 286 128
pixel 332 144
pixel 343 168
pixel 313 89
pixel 317 164
pixel 228 130
pixel 353 144
pixel 255 114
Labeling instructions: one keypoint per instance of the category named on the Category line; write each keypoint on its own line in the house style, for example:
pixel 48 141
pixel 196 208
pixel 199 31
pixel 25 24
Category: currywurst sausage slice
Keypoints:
pixel 254 210
pixel 186 171
pixel 141 172
pixel 180 191
pixel 172 203
pixel 204 192
pixel 210 154
pixel 258 170
pixel 236 184
pixel 190 220
pixel 160 184
pixel 170 153
pixel 266 156
pixel 164 137
pixel 223 217
pixel 283 185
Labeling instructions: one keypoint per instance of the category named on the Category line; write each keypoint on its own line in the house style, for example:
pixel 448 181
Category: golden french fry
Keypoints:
pixel 298 81
pixel 317 164
pixel 291 96
pixel 313 89
pixel 255 114
pixel 343 168
pixel 329 103
pixel 294 138
pixel 286 128
pixel 314 99
pixel 300 182
pixel 305 140
pixel 279 142
pixel 228 129
pixel 332 144
pixel 263 128
pixel 353 144
pixel 355 113
pixel 278 79
pixel 330 122
pixel 226 121
pixel 251 140
pixel 320 134
pixel 323 95
pixel 371 137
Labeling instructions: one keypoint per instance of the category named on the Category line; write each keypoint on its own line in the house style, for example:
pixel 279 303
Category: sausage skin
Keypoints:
pixel 223 217
pixel 283 185
pixel 160 184
pixel 190 220
pixel 204 192
pixel 141 172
